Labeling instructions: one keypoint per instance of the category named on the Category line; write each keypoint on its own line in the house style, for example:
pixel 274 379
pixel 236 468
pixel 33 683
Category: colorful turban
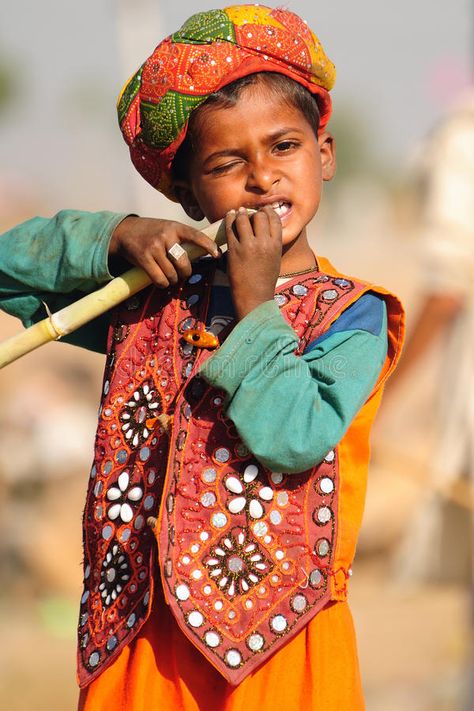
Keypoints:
pixel 212 49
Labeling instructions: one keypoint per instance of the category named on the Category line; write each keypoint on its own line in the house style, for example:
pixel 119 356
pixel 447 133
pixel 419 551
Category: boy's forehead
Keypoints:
pixel 213 49
pixel 260 113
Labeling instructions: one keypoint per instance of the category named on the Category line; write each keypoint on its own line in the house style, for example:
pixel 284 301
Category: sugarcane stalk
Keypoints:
pixel 72 317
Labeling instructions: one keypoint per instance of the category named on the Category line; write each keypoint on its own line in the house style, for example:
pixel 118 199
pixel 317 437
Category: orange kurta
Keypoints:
pixel 161 669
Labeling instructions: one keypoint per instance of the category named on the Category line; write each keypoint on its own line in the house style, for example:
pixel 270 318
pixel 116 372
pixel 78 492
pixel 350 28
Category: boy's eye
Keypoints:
pixel 223 168
pixel 284 146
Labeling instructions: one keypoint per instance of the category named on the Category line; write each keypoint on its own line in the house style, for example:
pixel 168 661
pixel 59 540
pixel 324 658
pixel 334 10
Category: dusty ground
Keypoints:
pixel 413 645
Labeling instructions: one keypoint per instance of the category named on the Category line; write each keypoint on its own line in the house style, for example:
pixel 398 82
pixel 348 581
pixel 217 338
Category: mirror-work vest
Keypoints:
pixel 246 556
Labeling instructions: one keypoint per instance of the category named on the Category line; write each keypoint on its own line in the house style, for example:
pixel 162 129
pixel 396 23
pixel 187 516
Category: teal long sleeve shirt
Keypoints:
pixel 289 410
pixel 55 261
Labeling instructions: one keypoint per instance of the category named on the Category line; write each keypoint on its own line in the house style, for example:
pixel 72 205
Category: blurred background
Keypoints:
pixel 404 72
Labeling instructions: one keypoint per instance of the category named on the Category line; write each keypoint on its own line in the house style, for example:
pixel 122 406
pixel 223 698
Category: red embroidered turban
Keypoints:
pixel 212 49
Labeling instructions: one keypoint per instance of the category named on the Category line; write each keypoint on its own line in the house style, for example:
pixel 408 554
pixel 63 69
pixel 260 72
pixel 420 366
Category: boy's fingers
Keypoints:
pixel 230 229
pixel 260 222
pixel 274 221
pixel 160 255
pixel 181 263
pixel 169 270
pixel 155 272
pixel 189 234
pixel 243 226
pixel 229 221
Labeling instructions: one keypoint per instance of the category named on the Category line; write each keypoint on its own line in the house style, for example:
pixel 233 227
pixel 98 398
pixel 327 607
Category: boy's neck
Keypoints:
pixel 297 256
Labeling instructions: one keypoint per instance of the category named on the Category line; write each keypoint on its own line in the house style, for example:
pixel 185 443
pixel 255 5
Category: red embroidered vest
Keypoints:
pixel 246 556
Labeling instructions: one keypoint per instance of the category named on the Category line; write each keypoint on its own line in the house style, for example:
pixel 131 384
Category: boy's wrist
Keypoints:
pixel 117 264
pixel 116 239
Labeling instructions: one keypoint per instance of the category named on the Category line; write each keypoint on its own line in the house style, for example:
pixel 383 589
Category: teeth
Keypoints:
pixel 281 208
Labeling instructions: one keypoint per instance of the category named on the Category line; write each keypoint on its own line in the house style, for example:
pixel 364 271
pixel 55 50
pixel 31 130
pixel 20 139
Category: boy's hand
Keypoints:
pixel 254 257
pixel 144 242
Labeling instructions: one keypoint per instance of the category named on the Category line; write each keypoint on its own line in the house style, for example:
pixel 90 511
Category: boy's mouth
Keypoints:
pixel 281 208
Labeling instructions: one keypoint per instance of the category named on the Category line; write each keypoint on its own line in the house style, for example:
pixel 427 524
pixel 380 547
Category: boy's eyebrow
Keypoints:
pixel 271 138
pixel 281 132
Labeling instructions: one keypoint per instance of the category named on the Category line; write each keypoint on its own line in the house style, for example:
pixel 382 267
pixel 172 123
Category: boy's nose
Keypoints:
pixel 261 177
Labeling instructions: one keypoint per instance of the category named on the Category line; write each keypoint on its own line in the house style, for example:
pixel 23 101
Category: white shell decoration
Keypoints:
pixel 114 511
pixel 236 505
pixel 326 485
pixel 324 514
pixel 195 619
pixel 255 509
pixel 250 473
pixel 278 623
pixel 255 642
pixel 182 592
pixel 123 481
pixel 233 658
pixel 126 513
pixel 299 603
pixel 135 494
pixel 233 484
pixel 266 493
pixel 212 639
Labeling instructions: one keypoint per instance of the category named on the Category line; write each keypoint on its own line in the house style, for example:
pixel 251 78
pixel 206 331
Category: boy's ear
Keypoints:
pixel 188 202
pixel 327 150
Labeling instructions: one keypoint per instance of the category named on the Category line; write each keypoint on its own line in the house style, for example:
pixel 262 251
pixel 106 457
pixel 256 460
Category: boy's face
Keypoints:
pixel 262 151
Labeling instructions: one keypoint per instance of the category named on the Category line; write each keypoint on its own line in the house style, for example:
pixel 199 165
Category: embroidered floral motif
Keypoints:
pixel 124 498
pixel 115 573
pixel 237 563
pixel 139 416
pixel 251 493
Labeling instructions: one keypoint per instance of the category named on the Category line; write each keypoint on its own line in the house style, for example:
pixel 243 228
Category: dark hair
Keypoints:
pixel 289 90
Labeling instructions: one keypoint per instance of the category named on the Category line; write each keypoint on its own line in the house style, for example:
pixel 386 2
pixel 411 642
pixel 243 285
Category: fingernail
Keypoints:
pixel 231 212
pixel 242 209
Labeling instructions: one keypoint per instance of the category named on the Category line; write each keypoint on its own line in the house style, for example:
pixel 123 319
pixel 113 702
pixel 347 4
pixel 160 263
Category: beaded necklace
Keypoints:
pixel 288 275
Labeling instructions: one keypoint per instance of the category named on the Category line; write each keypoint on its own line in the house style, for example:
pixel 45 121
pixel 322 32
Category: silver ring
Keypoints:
pixel 176 251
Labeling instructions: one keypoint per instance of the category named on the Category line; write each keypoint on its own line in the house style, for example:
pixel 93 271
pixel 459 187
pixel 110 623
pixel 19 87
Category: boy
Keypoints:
pixel 254 488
